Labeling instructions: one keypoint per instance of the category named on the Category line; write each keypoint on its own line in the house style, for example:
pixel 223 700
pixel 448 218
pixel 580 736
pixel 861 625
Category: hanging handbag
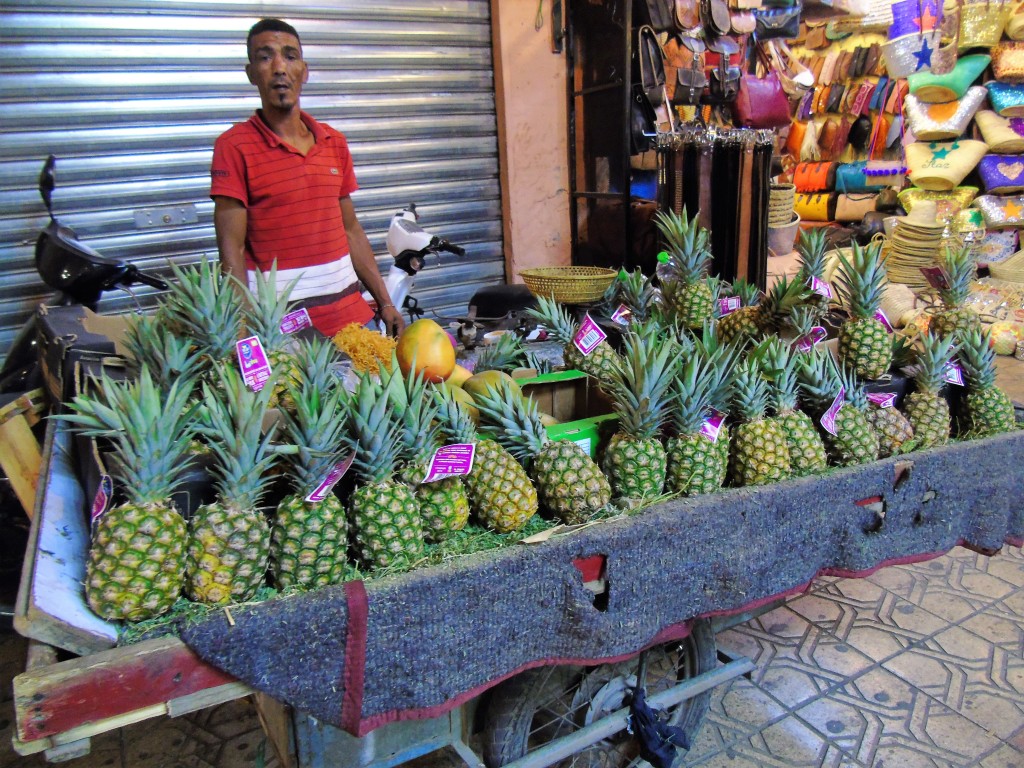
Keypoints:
pixel 1001 212
pixel 1008 62
pixel 724 76
pixel 690 80
pixel 649 65
pixel 761 102
pixel 815 177
pixel 643 122
pixel 853 207
pixel 795 77
pixel 661 13
pixel 943 165
pixel 687 14
pixel 795 137
pixel 1002 174
pixel 938 122
pixel 777 23
pixel 982 22
pixel 850 177
pixel 1003 135
pixel 714 15
pixel 741 22
pixel 817 207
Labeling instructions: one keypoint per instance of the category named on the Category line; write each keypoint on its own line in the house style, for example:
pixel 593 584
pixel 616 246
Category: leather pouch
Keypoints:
pixel 835 97
pixel 814 177
pixel 795 138
pixel 761 102
pixel 815 207
pixel 714 15
pixel 775 23
pixel 687 14
pixel 742 22
pixel 649 65
pixel 853 207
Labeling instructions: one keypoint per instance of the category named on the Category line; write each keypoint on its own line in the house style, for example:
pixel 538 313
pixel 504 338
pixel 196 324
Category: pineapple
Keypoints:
pixel 958 269
pixel 568 482
pixel 506 354
pixel 500 492
pixel 928 410
pixel 263 315
pixel 168 357
pixel 136 563
pixel 309 539
pixel 635 459
pixel 229 539
pixel 989 409
pixel 852 439
pixel 742 324
pixel 689 250
pixel 774 312
pixel 894 430
pixel 806 450
pixel 557 320
pixel 384 515
pixel 696 463
pixel 760 452
pixel 444 505
pixel 864 342
pixel 635 291
pixel 811 247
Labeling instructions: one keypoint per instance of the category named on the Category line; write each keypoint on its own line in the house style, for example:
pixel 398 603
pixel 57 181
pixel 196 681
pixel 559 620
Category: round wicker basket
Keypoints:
pixel 569 285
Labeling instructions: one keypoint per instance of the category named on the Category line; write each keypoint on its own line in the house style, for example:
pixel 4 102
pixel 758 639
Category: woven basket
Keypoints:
pixel 569 285
pixel 1012 269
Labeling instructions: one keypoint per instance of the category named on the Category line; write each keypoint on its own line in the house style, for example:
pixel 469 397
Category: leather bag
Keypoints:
pixel 687 13
pixel 714 15
pixel 649 65
pixel 643 122
pixel 662 13
pixel 777 23
pixel 816 207
pixel 853 207
pixel 724 76
pixel 850 177
pixel 761 102
pixel 815 177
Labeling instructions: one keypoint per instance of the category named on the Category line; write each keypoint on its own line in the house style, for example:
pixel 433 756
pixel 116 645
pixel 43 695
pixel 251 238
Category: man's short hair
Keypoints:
pixel 269 25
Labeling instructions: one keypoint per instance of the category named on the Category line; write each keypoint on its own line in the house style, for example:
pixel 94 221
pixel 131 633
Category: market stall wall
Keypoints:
pixel 131 96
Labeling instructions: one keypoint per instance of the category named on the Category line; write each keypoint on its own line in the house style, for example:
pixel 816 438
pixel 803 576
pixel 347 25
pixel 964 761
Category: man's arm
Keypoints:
pixel 230 219
pixel 366 268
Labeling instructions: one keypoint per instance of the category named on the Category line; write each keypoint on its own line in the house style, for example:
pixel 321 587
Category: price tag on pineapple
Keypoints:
pixel 883 399
pixel 729 304
pixel 820 287
pixel 880 317
pixel 588 336
pixel 808 341
pixel 711 428
pixel 296 321
pixel 828 420
pixel 453 460
pixel 101 501
pixel 253 363
pixel 953 373
pixel 936 278
pixel 622 315
pixel 336 473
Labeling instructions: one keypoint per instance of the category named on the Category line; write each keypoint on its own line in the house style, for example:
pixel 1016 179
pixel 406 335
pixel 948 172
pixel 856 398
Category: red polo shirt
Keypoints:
pixel 294 215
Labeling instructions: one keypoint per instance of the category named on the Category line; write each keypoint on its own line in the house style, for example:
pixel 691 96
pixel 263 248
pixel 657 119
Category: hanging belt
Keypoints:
pixel 745 210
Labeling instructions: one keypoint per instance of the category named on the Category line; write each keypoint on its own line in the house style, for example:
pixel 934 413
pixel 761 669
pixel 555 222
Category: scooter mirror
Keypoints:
pixel 47 182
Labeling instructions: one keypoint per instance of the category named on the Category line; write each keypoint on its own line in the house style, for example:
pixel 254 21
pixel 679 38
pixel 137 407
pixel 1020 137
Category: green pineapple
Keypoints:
pixel 852 440
pixel 811 249
pixel 384 515
pixel 168 357
pixel 689 255
pixel 136 563
pixel 928 410
pixel 444 505
pixel 743 324
pixel 635 291
pixel 266 309
pixel 775 310
pixel 958 269
pixel 506 354
pixel 635 459
pixel 760 451
pixel 557 320
pixel 229 539
pixel 568 481
pixel 864 342
pixel 701 390
pixel 500 493
pixel 989 409
pixel 806 450
pixel 309 539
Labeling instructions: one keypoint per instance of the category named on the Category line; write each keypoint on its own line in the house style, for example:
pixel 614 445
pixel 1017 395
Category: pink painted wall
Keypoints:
pixel 530 83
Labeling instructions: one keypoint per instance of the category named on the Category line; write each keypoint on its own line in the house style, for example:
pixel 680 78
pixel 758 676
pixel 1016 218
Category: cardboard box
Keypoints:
pixel 69 335
pixel 583 412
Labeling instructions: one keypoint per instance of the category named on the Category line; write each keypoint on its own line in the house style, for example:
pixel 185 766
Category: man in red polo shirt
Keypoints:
pixel 281 186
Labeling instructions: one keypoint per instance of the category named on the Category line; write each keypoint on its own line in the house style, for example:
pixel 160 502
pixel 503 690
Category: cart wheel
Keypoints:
pixel 546 703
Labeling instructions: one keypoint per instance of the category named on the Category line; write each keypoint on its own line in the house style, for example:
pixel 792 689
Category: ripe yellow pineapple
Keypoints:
pixel 989 409
pixel 958 269
pixel 926 408
pixel 689 250
pixel 760 451
pixel 864 343
pixel 557 320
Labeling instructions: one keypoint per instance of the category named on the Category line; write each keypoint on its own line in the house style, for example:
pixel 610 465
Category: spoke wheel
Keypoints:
pixel 544 704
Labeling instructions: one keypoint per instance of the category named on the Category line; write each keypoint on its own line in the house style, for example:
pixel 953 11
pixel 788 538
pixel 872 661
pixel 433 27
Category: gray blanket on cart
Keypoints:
pixel 423 642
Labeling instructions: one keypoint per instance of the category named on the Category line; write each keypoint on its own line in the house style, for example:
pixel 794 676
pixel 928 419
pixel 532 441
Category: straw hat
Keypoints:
pixel 1012 269
pixel 924 214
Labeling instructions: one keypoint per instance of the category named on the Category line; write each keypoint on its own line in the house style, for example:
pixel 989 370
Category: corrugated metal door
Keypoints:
pixel 131 95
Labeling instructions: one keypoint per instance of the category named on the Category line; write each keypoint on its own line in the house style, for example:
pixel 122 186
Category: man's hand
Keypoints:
pixel 392 319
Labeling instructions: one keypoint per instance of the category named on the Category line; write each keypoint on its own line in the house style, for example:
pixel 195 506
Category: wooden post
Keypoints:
pixel 20 456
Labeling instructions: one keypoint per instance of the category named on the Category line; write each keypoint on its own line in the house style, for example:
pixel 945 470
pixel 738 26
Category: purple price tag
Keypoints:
pixel 880 317
pixel 451 461
pixel 295 321
pixel 729 304
pixel 101 501
pixel 336 473
pixel 807 342
pixel 828 421
pixel 588 336
pixel 935 277
pixel 622 315
pixel 253 363
pixel 712 426
pixel 953 373
pixel 820 287
pixel 883 399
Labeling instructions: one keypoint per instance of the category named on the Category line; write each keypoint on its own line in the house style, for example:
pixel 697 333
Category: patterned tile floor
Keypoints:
pixel 914 666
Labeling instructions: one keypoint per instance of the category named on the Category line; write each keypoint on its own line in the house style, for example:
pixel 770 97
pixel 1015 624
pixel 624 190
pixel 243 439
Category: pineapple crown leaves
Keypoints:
pixel 506 354
pixel 861 280
pixel 978 359
pixel 640 384
pixel 818 378
pixel 512 421
pixel 456 424
pixel 776 361
pixel 750 294
pixel 207 304
pixel 315 361
pixel 554 317
pixel 803 319
pixel 935 352
pixel 811 247
pixel 267 307
pixel 636 292
pixel 168 357
pixel 958 268
pixel 854 392
pixel 687 244
pixel 417 411
pixel 150 429
pixel 231 419
pixel 782 298
pixel 375 430
pixel 903 354
pixel 703 384
pixel 750 392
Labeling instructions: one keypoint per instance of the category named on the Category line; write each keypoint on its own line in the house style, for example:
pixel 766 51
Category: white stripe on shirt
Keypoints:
pixel 317 280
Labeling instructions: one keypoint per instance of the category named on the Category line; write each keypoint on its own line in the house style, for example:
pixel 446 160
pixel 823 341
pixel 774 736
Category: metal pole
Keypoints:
pixel 559 749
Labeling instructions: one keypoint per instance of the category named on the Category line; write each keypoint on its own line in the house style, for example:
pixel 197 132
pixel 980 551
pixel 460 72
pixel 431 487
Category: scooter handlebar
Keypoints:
pixel 446 246
pixel 135 275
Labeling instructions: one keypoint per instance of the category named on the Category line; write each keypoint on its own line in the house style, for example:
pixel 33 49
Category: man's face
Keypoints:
pixel 276 68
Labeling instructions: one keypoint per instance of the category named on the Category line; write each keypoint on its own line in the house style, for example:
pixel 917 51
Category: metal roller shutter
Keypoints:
pixel 130 96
